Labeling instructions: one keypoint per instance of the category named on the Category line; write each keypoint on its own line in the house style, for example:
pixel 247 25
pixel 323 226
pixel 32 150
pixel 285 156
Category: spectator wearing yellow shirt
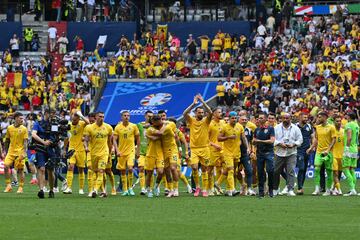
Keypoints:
pixel 224 56
pixel 141 72
pixel 217 44
pixel 227 42
pixel 266 79
pixel 158 70
pixel 204 40
pixel 220 93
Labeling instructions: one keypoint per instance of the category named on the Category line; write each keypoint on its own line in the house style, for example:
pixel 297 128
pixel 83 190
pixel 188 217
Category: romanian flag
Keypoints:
pixel 14 80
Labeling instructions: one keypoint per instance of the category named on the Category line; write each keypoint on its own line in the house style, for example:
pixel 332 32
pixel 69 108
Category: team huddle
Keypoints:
pixel 227 149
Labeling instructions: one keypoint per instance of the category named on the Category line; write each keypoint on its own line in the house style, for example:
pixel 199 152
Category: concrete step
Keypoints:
pixel 39 53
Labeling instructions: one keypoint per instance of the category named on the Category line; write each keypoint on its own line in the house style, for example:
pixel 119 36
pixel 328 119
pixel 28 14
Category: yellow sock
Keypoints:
pixel 103 187
pixel 21 183
pixel 196 177
pixel 7 181
pixel 210 182
pixel 142 179
pixel 152 181
pixel 99 181
pixel 184 179
pixel 69 178
pixel 218 173
pixel 221 179
pixel 170 185
pixel 130 180
pixel 94 178
pixel 204 179
pixel 90 181
pixel 112 179
pixel 230 179
pixel 81 180
pixel 124 182
pixel 176 185
pixel 337 186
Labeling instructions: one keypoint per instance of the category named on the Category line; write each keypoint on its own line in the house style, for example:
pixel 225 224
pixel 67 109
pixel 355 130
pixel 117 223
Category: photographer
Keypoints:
pixel 46 140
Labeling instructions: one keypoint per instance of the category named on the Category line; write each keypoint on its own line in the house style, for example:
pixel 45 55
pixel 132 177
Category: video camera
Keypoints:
pixel 58 127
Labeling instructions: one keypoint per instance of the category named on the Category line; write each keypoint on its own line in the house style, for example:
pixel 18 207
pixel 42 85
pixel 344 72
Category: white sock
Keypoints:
pixel 34 176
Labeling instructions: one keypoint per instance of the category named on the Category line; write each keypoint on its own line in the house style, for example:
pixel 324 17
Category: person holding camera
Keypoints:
pixel 287 138
pixel 41 135
pixel 74 142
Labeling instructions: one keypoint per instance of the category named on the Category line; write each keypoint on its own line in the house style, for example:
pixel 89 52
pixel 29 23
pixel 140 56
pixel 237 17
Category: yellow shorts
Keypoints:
pixel 337 164
pixel 152 162
pixel 18 160
pixel 178 164
pixel 78 159
pixel 99 162
pixel 170 158
pixel 109 163
pixel 141 161
pixel 125 162
pixel 88 160
pixel 201 155
pixel 216 158
pixel 229 161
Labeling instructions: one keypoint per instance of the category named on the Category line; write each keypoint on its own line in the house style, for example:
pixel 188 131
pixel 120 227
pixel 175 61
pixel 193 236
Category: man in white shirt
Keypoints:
pixel 14 46
pixel 90 9
pixel 52 37
pixel 288 138
pixel 261 30
pixel 62 41
pixel 270 23
pixel 228 84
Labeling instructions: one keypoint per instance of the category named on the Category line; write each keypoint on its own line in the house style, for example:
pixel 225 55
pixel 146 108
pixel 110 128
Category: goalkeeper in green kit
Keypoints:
pixel 351 140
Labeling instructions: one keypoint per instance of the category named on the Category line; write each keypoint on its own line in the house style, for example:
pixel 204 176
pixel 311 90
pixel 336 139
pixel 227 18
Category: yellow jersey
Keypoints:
pixel 204 44
pixel 214 131
pixel 154 147
pixel 199 132
pixel 251 126
pixel 126 137
pixel 325 134
pixel 76 134
pixel 232 146
pixel 220 89
pixel 16 135
pixel 98 138
pixel 168 138
pixel 338 149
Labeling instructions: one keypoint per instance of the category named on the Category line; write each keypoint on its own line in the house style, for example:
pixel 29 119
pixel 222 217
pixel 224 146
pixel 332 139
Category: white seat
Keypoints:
pixel 197 17
pixel 181 12
pixel 213 11
pixel 198 11
pixel 221 15
pixel 191 11
pixel 206 11
pixel 157 18
pixel 189 18
pixel 149 18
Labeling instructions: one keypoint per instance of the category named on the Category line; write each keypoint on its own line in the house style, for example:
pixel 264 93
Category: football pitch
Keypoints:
pixel 116 217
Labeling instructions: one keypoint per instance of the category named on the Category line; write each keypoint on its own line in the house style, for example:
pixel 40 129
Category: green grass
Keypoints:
pixel 78 217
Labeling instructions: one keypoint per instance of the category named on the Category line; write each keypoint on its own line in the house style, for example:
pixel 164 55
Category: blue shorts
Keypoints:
pixel 42 158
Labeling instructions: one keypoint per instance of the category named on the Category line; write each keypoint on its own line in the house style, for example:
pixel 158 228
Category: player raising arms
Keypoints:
pixel 142 126
pixel 74 142
pixel 351 140
pixel 154 156
pixel 125 135
pixel 16 145
pixel 99 136
pixel 199 142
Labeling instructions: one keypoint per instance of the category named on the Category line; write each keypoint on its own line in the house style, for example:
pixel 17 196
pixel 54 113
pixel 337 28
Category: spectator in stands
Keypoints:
pixel 79 45
pixel 52 38
pixel 63 42
pixel 15 46
pixel 56 5
pixel 90 10
pixel 220 93
pixel 35 43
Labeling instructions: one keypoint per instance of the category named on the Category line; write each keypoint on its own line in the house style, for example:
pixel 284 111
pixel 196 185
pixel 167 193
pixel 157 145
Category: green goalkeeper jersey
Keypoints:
pixel 143 140
pixel 354 127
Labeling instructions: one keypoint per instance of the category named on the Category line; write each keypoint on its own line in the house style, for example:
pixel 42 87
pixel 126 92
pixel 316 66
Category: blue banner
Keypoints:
pixel 137 98
pixel 320 9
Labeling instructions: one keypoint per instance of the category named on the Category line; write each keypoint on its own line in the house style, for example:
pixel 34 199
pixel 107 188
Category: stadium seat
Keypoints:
pixel 189 17
pixel 197 17
pixel 191 11
pixel 221 15
pixel 157 18
pixel 198 11
pixel 149 18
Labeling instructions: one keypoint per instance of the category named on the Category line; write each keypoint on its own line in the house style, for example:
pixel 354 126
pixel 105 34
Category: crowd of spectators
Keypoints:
pixel 312 64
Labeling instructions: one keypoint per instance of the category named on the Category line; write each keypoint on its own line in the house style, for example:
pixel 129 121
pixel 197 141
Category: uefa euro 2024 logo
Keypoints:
pixel 155 99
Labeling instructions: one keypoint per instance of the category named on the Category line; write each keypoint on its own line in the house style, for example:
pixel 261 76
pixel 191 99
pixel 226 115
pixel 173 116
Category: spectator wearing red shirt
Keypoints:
pixel 79 46
pixel 36 102
pixel 56 4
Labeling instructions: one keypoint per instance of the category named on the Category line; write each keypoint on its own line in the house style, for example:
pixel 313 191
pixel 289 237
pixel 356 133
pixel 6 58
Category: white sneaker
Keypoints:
pixel 211 193
pixel 291 193
pixel 189 189
pixel 67 191
pixel 143 191
pixel 90 194
pixel 55 189
pixel 276 192
pixel 176 193
pixel 284 191
pixel 64 185
pixel 327 193
pixel 81 191
pixel 317 191
pixel 251 192
pixel 351 193
pixel 335 192
pixel 45 190
pixel 340 192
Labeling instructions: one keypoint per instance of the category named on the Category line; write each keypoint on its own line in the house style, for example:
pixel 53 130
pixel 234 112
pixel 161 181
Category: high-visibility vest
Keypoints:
pixel 278 5
pixel 29 33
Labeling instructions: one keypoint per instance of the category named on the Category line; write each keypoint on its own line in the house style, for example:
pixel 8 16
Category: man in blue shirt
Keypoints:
pixel 303 152
pixel 41 135
pixel 264 137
